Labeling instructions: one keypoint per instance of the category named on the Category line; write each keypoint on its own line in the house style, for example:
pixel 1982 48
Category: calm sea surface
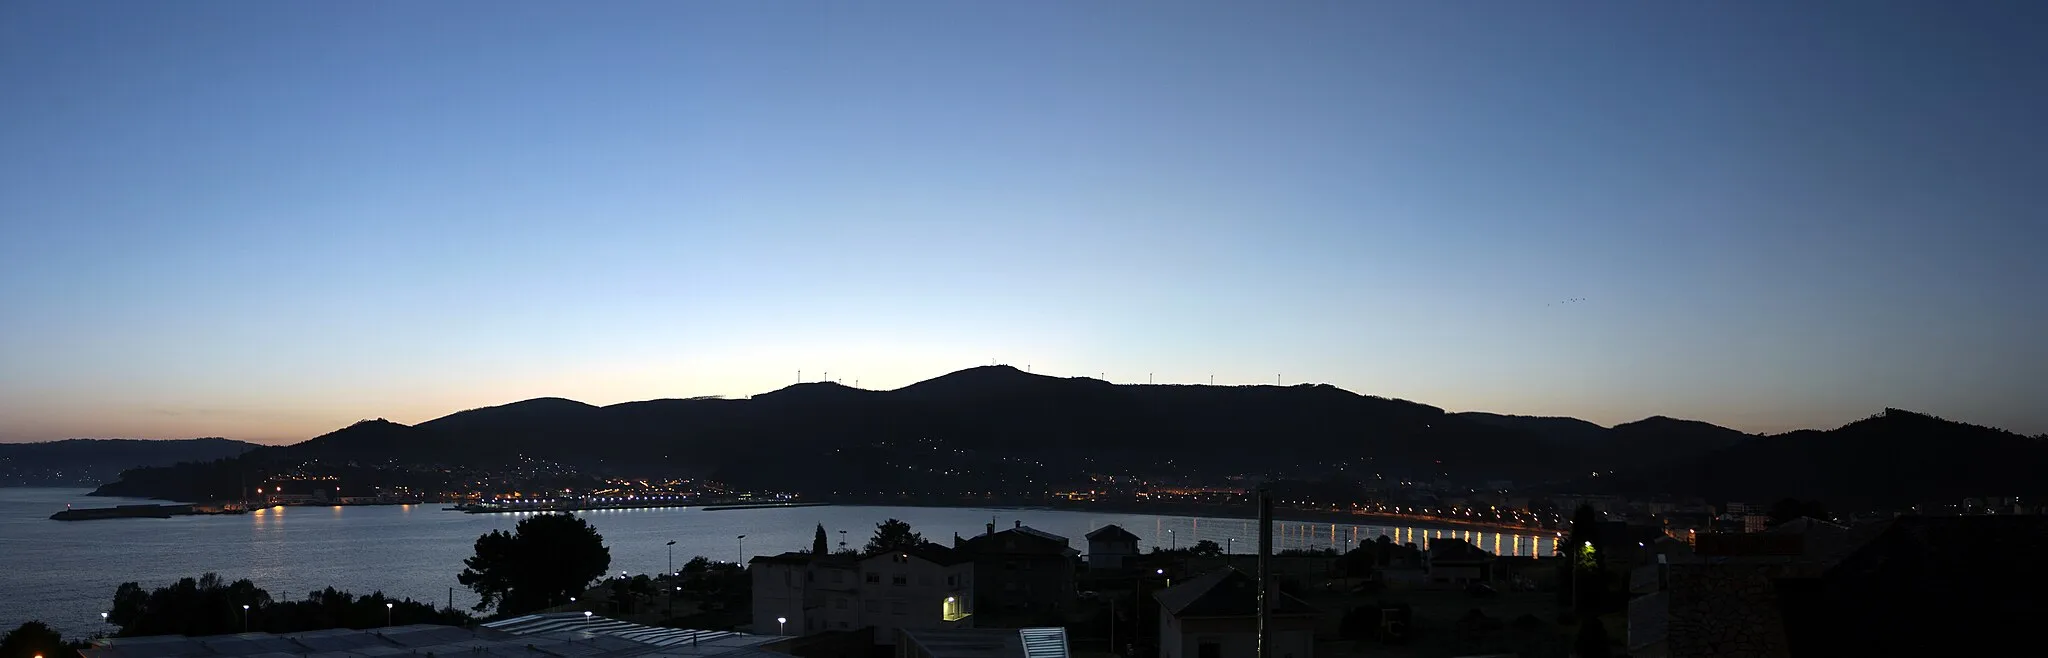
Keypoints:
pixel 64 573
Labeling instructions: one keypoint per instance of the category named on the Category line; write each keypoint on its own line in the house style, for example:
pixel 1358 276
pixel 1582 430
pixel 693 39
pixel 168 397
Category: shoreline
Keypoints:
pixel 1212 511
pixel 1182 509
pixel 740 506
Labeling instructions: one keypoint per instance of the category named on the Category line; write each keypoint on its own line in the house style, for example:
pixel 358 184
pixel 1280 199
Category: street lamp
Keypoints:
pixel 387 614
pixel 671 556
pixel 245 617
pixel 586 620
pixel 1171 541
pixel 779 623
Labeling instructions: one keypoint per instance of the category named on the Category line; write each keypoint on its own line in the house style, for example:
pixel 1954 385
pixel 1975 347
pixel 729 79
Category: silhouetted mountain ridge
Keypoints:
pixel 996 428
pixel 1893 458
pixel 72 462
pixel 1557 428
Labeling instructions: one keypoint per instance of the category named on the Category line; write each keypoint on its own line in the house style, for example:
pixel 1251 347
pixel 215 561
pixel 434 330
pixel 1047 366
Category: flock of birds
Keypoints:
pixel 1573 300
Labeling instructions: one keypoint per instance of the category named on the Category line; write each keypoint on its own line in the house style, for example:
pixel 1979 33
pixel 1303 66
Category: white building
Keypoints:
pixel 930 587
pixel 801 590
pixel 1109 546
pixel 1216 616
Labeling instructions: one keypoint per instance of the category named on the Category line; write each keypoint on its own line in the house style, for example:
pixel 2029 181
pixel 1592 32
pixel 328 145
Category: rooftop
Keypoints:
pixel 990 642
pixel 1020 540
pixel 930 552
pixel 1450 549
pixel 1225 592
pixel 556 635
pixel 1111 532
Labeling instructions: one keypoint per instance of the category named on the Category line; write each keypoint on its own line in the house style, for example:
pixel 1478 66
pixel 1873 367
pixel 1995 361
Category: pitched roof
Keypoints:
pixel 929 552
pixel 1451 549
pixel 1041 534
pixel 1749 545
pixel 966 642
pixel 1904 580
pixel 791 557
pixel 1955 553
pixel 1111 532
pixel 1021 540
pixel 991 642
pixel 1225 592
pixel 1803 525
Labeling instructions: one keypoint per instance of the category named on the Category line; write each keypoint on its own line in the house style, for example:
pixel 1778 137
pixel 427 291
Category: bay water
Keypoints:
pixel 64 573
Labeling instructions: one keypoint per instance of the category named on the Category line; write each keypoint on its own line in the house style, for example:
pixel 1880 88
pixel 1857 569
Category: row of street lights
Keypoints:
pixel 245 615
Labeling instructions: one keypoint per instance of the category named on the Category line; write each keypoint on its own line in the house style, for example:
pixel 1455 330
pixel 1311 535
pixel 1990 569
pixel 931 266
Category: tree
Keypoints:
pixel 544 561
pixel 36 639
pixel 1585 567
pixel 818 544
pixel 191 606
pixel 207 606
pixel 698 564
pixel 893 535
pixel 1206 548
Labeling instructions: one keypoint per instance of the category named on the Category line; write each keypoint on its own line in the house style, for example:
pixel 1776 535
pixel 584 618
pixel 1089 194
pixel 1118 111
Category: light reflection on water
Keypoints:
pixel 64 573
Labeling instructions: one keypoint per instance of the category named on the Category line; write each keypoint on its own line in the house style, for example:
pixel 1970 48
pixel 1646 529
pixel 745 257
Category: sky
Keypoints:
pixel 268 220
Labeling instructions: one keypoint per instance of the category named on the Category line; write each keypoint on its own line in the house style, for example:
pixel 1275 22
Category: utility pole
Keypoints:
pixel 1265 640
pixel 1112 624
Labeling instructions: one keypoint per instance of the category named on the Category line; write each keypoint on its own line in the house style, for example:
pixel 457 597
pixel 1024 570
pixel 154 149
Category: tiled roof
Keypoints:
pixel 991 642
pixel 1225 592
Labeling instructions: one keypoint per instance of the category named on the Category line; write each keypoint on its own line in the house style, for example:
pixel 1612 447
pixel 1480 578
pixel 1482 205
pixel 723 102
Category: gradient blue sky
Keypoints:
pixel 266 220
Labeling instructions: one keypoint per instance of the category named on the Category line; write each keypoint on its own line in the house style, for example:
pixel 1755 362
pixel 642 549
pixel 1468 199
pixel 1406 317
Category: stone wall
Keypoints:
pixel 1725 610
